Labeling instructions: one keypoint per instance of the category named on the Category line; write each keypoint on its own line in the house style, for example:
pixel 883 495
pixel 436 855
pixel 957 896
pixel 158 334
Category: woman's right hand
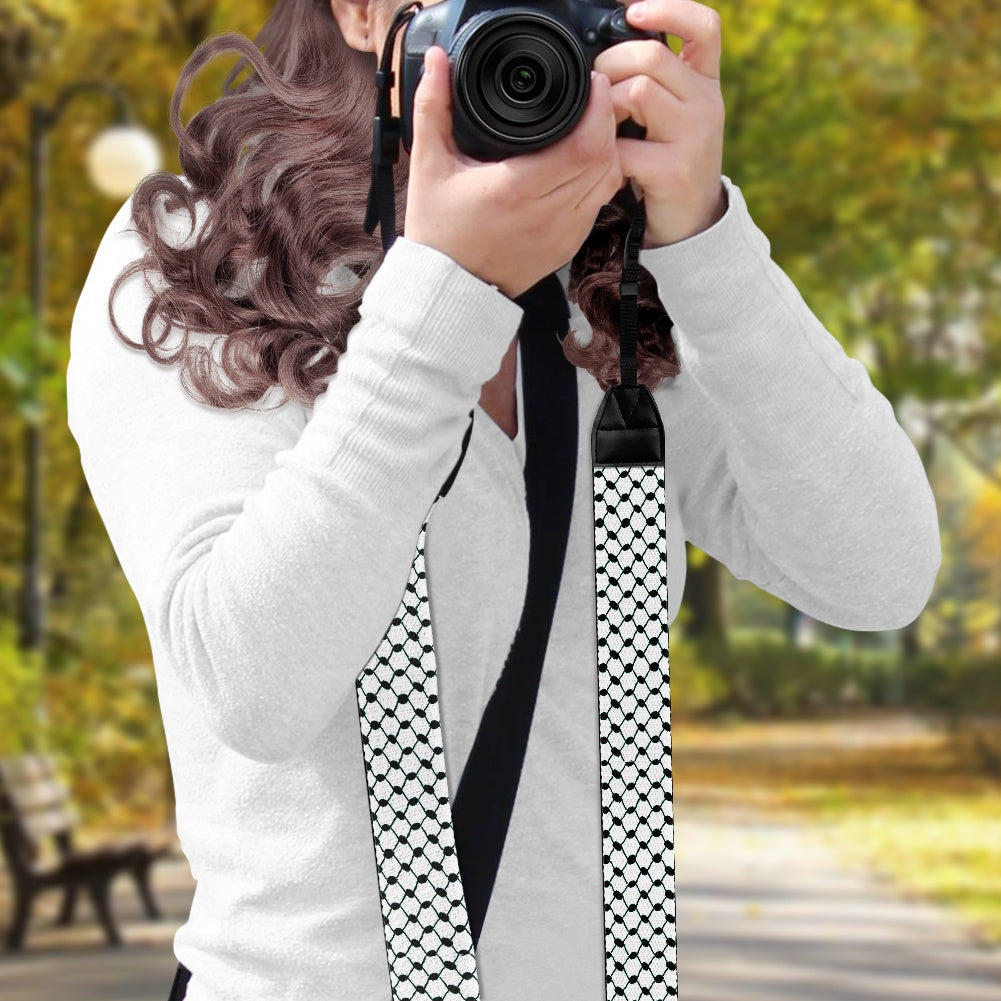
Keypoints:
pixel 513 221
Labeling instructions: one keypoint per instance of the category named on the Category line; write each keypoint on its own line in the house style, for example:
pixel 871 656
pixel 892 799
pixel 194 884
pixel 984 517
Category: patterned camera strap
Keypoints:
pixel 436 861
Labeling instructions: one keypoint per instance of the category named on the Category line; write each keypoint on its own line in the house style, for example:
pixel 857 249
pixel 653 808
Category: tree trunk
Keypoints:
pixel 706 601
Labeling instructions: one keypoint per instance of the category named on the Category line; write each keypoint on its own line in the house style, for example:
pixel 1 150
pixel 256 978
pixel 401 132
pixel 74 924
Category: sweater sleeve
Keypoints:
pixel 792 468
pixel 269 548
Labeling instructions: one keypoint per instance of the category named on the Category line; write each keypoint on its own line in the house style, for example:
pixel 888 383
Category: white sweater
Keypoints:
pixel 268 551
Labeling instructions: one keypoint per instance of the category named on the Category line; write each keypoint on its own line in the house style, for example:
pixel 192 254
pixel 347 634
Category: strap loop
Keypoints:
pixel 386 135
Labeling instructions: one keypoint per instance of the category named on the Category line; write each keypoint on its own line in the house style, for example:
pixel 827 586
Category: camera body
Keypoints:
pixel 521 74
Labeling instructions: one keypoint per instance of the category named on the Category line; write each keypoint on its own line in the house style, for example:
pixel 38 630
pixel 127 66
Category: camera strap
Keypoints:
pixel 634 673
pixel 381 208
pixel 436 860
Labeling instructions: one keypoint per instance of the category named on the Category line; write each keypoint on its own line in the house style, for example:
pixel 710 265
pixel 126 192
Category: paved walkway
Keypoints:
pixel 766 913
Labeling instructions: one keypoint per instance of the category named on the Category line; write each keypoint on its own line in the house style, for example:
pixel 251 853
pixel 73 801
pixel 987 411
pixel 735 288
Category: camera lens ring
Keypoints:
pixel 484 44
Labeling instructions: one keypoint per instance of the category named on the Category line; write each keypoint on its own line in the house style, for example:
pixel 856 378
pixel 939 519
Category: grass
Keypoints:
pixel 888 791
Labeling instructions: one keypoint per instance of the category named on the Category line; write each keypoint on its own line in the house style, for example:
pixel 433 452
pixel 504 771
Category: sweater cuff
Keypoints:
pixel 452 317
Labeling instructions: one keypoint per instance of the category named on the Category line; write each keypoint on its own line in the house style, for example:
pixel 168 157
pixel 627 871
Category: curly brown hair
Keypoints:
pixel 281 164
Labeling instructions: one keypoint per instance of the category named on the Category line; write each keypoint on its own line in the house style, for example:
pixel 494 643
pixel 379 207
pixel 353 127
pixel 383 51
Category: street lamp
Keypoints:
pixel 118 159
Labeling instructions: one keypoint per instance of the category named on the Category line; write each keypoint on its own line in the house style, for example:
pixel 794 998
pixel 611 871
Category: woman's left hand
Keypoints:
pixel 677 98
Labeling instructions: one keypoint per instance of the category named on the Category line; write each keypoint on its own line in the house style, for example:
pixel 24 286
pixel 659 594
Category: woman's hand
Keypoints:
pixel 513 221
pixel 679 164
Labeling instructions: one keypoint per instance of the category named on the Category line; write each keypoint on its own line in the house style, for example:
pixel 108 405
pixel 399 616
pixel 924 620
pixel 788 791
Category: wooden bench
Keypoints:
pixel 35 805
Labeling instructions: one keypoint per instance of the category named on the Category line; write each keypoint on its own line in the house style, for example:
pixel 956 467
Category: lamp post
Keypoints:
pixel 119 158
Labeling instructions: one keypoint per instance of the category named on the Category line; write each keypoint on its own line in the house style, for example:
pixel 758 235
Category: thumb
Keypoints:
pixel 433 106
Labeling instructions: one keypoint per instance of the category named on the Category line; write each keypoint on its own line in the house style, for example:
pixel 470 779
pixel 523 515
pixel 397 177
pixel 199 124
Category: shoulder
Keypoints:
pixel 100 362
pixel 93 340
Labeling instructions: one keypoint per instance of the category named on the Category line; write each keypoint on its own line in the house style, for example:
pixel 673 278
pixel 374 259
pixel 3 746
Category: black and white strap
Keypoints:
pixel 430 943
pixel 434 902
pixel 634 719
pixel 634 674
pixel 428 940
pixel 433 906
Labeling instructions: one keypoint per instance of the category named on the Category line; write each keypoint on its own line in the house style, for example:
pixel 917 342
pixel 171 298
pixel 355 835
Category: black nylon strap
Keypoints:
pixel 627 428
pixel 381 207
pixel 484 799
pixel 179 988
pixel 629 285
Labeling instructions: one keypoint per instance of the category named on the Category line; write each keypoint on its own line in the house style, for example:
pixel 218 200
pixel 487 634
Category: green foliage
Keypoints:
pixel 765 677
pixel 964 691
pixel 24 351
pixel 956 686
pixel 106 725
pixel 865 139
pixel 696 686
pixel 21 688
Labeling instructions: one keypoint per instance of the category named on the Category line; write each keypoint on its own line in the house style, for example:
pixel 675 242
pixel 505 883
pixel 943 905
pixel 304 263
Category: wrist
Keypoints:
pixel 662 233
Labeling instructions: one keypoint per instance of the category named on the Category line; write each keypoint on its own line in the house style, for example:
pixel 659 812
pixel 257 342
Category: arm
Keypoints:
pixel 792 468
pixel 269 550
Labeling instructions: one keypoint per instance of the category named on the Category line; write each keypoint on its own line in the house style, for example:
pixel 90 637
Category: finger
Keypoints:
pixel 648 104
pixel 644 162
pixel 699 26
pixel 433 138
pixel 653 58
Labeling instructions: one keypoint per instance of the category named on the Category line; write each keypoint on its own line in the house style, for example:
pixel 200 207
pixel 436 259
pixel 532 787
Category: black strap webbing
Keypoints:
pixel 179 988
pixel 484 800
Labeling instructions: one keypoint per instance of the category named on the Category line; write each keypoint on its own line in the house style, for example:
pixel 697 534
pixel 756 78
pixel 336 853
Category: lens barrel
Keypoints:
pixel 521 77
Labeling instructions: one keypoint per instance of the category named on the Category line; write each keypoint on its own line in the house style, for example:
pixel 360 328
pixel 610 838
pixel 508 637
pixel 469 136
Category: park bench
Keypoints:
pixel 36 805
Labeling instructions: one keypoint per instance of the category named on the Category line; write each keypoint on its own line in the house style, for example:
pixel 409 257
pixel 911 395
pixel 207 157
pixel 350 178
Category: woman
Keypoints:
pixel 269 546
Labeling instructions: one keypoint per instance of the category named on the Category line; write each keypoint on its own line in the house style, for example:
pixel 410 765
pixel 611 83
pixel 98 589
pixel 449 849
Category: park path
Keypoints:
pixel 766 913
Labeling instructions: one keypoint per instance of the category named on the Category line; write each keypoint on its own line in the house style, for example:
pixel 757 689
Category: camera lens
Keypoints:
pixel 520 81
pixel 521 76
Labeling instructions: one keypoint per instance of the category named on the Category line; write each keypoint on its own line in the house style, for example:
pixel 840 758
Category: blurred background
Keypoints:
pixel 838 794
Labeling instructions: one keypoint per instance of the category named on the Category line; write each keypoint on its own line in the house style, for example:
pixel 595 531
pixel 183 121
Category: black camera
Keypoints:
pixel 521 74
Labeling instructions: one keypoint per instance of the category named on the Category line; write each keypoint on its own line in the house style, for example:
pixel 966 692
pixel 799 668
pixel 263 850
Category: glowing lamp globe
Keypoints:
pixel 120 157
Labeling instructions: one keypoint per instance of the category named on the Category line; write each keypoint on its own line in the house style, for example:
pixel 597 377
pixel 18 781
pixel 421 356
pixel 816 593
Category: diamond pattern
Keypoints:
pixel 634 730
pixel 428 942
